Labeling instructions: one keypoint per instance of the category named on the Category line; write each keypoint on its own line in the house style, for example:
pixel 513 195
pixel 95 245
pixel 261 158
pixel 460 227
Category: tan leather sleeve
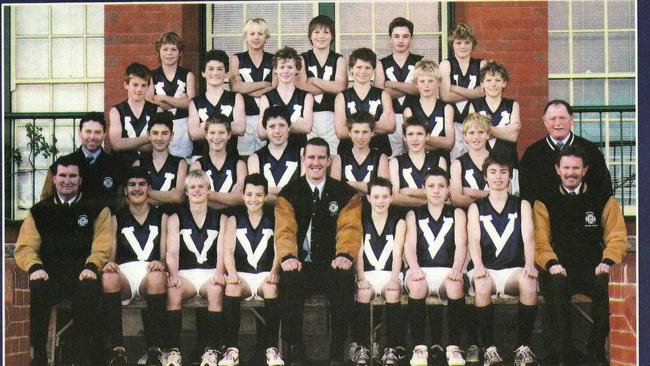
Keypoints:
pixel 543 248
pixel 286 229
pixel 614 231
pixel 349 228
pixel 28 245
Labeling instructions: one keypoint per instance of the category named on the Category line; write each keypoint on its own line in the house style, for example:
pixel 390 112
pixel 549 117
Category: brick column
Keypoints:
pixel 622 306
pixel 16 315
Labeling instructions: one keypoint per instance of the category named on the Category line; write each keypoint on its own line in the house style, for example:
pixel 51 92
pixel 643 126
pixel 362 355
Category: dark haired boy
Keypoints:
pixel 127 131
pixel 394 74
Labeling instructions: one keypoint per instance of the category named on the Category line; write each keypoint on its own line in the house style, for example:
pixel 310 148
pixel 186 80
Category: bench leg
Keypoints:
pixel 57 339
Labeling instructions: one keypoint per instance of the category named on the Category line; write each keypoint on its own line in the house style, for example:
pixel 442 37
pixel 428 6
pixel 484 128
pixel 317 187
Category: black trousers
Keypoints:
pixel 85 312
pixel 337 284
pixel 557 291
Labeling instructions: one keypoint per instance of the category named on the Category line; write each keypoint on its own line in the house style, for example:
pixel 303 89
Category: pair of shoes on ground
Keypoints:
pixel 523 357
pixel 423 356
pixel 212 357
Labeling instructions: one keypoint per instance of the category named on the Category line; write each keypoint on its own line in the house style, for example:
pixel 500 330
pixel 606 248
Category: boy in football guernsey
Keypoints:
pixel 253 271
pixel 279 161
pixel 467 180
pixel 286 66
pixel 216 100
pixel 136 268
pixel 167 171
pixel 195 266
pixel 363 96
pixel 435 251
pixel 224 171
pixel 394 74
pixel 502 248
pixel 324 75
pixel 378 269
pixel 503 113
pixel 127 131
pixel 251 75
pixel 362 163
pixel 460 75
pixel 439 115
pixel 407 171
pixel 172 88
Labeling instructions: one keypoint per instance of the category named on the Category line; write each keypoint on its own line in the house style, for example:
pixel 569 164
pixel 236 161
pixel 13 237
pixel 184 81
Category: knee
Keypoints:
pixel 156 280
pixel 291 278
pixel 527 285
pixel 174 298
pixel 37 288
pixel 483 287
pixel 364 295
pixel 454 289
pixel 393 296
pixel 233 289
pixel 343 276
pixel 89 288
pixel 110 282
pixel 215 294
pixel 270 290
pixel 417 289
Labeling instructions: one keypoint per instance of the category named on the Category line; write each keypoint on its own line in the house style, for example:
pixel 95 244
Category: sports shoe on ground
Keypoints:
pixel 273 357
pixel 437 355
pixel 401 353
pixel 455 356
pixel 172 358
pixel 361 356
pixel 473 355
pixel 491 357
pixel 230 357
pixel 390 357
pixel 210 357
pixel 420 356
pixel 525 357
pixel 352 349
pixel 117 357
pixel 152 357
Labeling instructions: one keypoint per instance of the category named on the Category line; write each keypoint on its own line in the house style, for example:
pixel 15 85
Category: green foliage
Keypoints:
pixel 38 146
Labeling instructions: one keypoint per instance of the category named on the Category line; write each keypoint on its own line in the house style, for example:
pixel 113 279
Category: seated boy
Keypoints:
pixel 358 165
pixel 502 247
pixel 253 270
pixel 435 251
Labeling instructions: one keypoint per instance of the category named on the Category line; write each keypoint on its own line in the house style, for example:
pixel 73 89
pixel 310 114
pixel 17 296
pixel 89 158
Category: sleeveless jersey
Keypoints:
pixel 499 117
pixel 198 245
pixel 378 247
pixel 250 73
pixel 352 170
pixel 254 246
pixel 164 179
pixel 436 120
pixel 502 245
pixel 325 101
pixel 472 176
pixel 372 104
pixel 205 109
pixel 410 175
pixel 468 80
pixel 279 172
pixel 173 88
pixel 133 126
pixel 135 241
pixel 296 108
pixel 404 74
pixel 436 238
pixel 221 180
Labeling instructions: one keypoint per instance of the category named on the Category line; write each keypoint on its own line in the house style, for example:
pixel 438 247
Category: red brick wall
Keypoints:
pixel 16 315
pixel 516 34
pixel 622 306
pixel 130 34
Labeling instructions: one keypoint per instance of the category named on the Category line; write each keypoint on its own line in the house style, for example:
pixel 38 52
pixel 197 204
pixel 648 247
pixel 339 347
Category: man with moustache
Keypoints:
pixel 317 237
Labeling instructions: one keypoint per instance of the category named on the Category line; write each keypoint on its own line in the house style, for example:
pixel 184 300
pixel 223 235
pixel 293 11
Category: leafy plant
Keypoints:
pixel 38 146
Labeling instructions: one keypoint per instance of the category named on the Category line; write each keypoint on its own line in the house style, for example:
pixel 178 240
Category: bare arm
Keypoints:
pixel 410 242
pixel 460 239
pixel 239 116
pixel 474 237
pixel 509 132
pixel 382 170
pixel 340 82
pixel 233 198
pixel 173 245
pixel 177 194
pixel 386 123
pixel 340 120
pixel 380 78
pixel 467 93
pixel 244 87
pixel 182 101
pixel 119 143
pixel 444 142
pixel 445 89
pixel 528 236
pixel 335 168
pixel 459 198
pixel 398 248
pixel 399 198
pixel 261 131
pixel 194 124
pixel 229 243
pixel 304 124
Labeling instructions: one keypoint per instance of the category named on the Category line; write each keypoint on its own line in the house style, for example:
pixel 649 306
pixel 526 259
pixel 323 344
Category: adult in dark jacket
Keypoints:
pixel 317 237
pixel 537 166
pixel 579 235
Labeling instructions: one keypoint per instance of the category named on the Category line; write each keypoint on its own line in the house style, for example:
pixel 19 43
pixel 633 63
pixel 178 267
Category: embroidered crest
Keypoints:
pixel 108 182
pixel 590 218
pixel 333 208
pixel 83 220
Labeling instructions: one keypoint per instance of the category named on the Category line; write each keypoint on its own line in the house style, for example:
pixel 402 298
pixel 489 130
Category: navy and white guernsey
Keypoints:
pixel 436 244
pixel 205 109
pixel 471 175
pixel 250 73
pixel 296 108
pixel 468 80
pixel 133 127
pixel 163 180
pixel 502 245
pixel 436 120
pixel 198 245
pixel 378 247
pixel 173 88
pixel 135 241
pixel 411 176
pixel 279 172
pixel 254 246
pixel 499 118
pixel 371 104
pixel 325 101
pixel 393 72
pixel 352 170
pixel 221 180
